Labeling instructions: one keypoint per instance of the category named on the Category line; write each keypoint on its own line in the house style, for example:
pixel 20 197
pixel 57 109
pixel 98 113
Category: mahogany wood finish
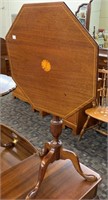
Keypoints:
pixel 19 171
pixel 3 46
pixel 15 152
pixel 5 67
pixel 54 185
pixel 54 63
pixel 75 121
pixel 70 59
pixel 17 93
pixel 22 145
pixel 54 151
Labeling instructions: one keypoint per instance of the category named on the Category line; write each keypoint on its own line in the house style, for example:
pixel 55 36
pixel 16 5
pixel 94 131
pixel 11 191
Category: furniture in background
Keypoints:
pixel 100 109
pixel 77 120
pixel 81 14
pixel 6 84
pixel 5 67
pixel 103 58
pixel 16 153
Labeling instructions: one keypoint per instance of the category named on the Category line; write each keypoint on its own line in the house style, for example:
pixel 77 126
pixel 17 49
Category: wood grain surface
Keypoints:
pixel 53 58
pixel 61 181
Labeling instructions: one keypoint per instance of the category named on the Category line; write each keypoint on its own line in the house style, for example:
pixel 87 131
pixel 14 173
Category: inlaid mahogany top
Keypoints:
pixel 53 58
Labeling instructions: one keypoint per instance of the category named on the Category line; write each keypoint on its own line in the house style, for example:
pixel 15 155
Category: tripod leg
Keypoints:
pixel 42 170
pixel 66 154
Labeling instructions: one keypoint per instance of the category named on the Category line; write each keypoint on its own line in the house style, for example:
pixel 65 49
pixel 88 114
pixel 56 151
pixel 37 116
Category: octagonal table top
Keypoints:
pixel 53 58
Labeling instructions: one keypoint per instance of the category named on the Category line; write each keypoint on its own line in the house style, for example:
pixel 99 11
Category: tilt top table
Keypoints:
pixel 53 61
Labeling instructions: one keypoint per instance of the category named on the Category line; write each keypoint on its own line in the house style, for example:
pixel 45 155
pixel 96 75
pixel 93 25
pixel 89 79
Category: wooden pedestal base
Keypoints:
pixel 61 181
pixel 54 151
pixel 20 170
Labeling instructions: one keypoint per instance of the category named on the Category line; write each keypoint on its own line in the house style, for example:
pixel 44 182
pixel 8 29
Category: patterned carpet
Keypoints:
pixel 92 149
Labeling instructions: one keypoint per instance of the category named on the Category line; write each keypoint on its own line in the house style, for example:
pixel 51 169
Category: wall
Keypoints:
pixel 99 15
pixel 104 15
pixel 95 15
pixel 8 8
pixel 4 12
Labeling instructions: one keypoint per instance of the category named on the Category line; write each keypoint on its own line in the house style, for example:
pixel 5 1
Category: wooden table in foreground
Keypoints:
pixel 19 171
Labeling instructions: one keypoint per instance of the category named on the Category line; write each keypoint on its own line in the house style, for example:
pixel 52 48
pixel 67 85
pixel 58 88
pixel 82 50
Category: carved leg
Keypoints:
pixel 53 151
pixel 43 167
pixel 66 154
pixel 84 127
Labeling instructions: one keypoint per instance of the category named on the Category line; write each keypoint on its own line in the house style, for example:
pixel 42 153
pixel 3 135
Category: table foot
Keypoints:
pixel 46 160
pixel 66 154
